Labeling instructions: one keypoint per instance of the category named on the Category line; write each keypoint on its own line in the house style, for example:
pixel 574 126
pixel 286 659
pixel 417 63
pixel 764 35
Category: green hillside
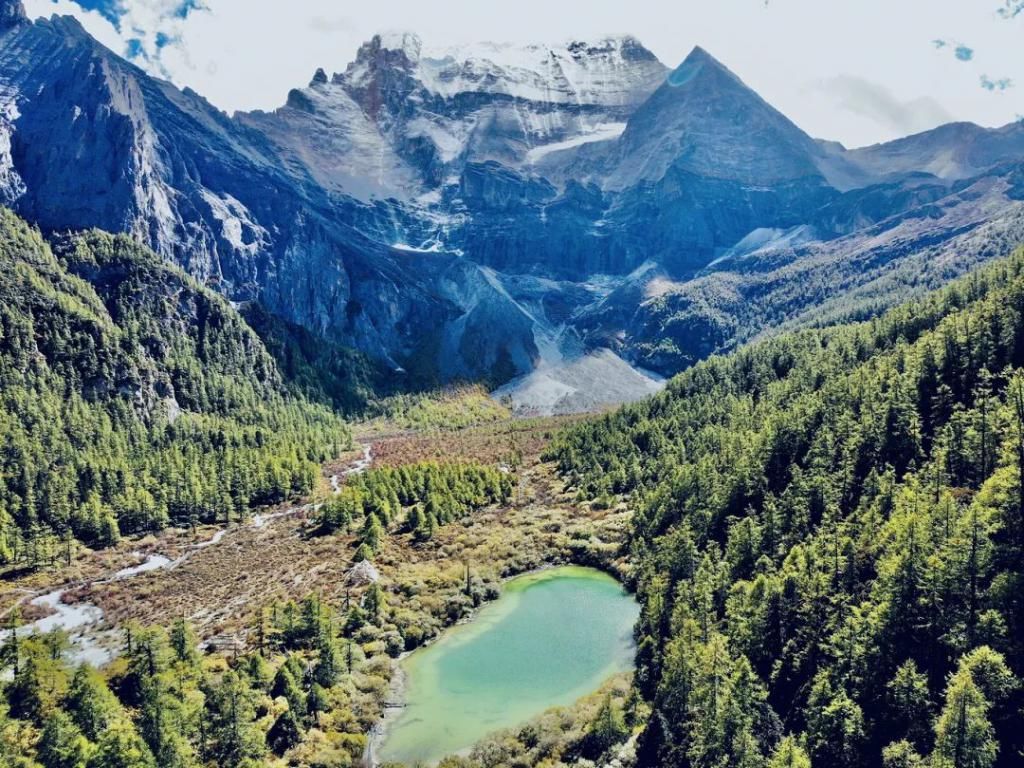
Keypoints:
pixel 829 540
pixel 132 398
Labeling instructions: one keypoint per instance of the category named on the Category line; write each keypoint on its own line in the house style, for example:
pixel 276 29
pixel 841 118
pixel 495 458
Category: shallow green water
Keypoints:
pixel 551 638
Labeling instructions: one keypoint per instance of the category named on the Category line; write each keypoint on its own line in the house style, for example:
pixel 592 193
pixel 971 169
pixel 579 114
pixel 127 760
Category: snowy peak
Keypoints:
pixel 380 79
pixel 431 113
pixel 625 47
pixel 407 44
pixel 700 55
pixel 700 64
pixel 612 71
pixel 705 120
pixel 383 52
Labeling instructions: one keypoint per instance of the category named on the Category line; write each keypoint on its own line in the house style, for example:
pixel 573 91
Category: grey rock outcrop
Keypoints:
pixel 478 212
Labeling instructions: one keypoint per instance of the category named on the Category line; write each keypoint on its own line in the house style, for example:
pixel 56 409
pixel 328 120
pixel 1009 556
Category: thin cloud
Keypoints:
pixel 329 26
pixel 878 104
pixel 145 28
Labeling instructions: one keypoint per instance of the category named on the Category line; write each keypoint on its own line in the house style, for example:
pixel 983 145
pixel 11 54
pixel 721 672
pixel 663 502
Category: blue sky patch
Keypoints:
pixel 111 10
pixel 997 85
pixel 961 51
pixel 134 49
pixel 1012 9
pixel 187 6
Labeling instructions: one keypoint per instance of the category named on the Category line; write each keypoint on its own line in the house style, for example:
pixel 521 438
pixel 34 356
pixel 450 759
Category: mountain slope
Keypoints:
pixel 132 398
pixel 954 151
pixel 789 281
pixel 830 539
pixel 96 142
pixel 705 121
pixel 449 213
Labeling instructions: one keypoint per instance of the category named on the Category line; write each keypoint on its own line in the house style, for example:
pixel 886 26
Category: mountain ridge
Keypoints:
pixel 403 205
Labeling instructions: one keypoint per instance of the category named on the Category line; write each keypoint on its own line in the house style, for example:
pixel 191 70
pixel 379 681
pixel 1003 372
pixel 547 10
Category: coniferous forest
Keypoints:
pixel 417 498
pixel 829 540
pixel 132 398
pixel 488 401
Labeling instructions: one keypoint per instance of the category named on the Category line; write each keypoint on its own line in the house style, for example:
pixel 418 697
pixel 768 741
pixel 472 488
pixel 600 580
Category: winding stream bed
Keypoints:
pixel 83 621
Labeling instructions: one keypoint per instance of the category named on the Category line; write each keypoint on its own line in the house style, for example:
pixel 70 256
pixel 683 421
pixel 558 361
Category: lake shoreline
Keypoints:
pixel 398 685
pixel 398 688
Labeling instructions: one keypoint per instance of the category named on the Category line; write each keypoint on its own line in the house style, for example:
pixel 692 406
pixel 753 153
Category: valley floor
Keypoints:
pixel 223 580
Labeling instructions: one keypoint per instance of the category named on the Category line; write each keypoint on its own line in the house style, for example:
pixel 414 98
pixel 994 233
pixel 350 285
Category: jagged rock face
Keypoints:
pixel 98 143
pixel 89 140
pixel 11 12
pixel 322 132
pixel 479 212
pixel 380 80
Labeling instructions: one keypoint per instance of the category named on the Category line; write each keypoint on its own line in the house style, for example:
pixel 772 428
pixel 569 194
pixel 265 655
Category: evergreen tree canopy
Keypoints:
pixel 829 539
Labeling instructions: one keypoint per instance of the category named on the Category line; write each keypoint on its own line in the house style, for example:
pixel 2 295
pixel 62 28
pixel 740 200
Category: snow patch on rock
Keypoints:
pixel 602 132
pixel 238 227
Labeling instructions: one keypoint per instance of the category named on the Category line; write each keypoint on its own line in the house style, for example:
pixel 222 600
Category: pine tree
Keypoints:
pixel 328 666
pixel 90 703
pixel 789 754
pixel 607 729
pixel 120 747
pixel 236 739
pixel 964 737
pixel 62 744
pixel 184 643
pixel 285 733
pixel 286 686
pixel 25 693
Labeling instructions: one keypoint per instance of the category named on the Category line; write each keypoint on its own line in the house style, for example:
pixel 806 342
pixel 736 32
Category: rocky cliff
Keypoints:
pixel 480 212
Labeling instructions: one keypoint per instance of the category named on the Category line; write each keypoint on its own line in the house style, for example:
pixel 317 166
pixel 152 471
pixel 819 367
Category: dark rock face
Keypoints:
pixel 473 214
pixel 94 142
pixel 11 12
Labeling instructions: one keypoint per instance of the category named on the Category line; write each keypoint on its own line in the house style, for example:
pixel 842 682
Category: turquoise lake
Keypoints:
pixel 551 638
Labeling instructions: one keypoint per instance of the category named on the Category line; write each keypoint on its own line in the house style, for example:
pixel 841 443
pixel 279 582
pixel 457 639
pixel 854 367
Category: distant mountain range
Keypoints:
pixel 497 212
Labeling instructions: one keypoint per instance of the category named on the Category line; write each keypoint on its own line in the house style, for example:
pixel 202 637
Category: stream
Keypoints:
pixel 82 621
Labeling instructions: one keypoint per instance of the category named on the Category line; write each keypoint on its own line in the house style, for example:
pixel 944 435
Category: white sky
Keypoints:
pixel 857 71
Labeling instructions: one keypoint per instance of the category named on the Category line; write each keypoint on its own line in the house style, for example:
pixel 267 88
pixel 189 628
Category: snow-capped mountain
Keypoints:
pixel 485 211
pixel 89 140
pixel 403 122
